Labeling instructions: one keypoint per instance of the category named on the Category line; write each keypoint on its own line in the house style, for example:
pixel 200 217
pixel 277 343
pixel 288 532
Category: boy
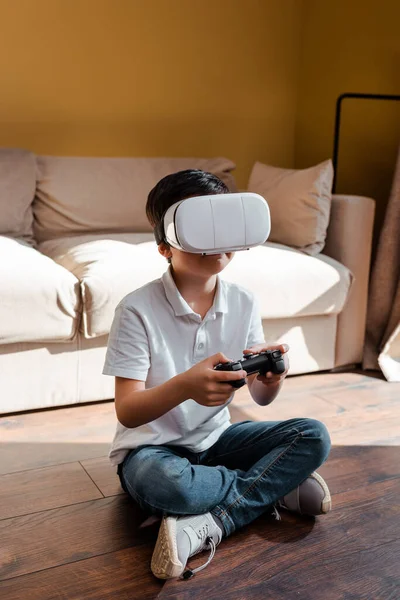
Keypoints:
pixel 204 476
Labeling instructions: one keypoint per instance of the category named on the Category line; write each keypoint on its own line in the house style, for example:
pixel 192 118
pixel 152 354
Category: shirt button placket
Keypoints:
pixel 200 344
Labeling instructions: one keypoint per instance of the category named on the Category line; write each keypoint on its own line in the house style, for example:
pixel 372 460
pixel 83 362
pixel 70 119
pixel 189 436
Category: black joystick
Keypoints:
pixel 269 360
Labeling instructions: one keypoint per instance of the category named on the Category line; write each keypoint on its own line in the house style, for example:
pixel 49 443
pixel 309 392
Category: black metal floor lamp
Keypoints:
pixel 337 123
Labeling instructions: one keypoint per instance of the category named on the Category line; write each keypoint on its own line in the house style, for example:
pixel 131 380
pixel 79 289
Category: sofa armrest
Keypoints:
pixel 349 241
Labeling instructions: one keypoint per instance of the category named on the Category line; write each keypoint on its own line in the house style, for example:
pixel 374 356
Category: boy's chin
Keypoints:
pixel 213 256
pixel 224 256
pixel 210 264
pixel 214 262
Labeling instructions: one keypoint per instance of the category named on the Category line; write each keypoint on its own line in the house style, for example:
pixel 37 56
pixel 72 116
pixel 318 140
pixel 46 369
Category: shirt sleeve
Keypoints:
pixel 256 331
pixel 128 352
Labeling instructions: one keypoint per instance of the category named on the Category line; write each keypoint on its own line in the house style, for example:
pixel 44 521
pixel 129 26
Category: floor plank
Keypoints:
pixel 43 489
pixel 52 437
pixel 343 381
pixel 367 575
pixel 122 575
pixel 351 467
pixel 104 475
pixel 287 407
pixel 62 535
pixel 356 409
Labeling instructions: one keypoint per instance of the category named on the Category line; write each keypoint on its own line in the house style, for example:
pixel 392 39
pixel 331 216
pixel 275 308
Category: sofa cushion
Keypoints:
pixel 289 283
pixel 94 195
pixel 299 201
pixel 17 190
pixel 108 267
pixel 40 300
pixel 286 282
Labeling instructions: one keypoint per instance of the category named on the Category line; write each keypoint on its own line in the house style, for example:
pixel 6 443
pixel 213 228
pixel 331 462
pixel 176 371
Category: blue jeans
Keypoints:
pixel 249 468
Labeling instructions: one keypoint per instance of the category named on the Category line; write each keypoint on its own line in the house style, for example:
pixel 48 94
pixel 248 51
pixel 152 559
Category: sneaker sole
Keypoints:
pixel 165 563
pixel 326 504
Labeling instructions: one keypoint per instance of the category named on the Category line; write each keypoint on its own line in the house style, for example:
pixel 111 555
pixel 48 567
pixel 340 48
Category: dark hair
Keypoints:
pixel 176 187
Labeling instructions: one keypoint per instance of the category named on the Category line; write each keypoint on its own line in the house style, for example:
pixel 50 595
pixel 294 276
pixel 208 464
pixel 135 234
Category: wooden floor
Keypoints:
pixel 67 531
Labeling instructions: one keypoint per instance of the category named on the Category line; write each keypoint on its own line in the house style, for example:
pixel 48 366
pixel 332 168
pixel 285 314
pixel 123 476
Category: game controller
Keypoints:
pixel 269 360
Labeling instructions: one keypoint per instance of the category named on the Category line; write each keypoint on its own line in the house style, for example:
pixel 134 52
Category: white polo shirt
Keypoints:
pixel 155 335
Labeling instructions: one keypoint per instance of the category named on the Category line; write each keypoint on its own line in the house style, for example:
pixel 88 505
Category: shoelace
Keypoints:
pixel 209 542
pixel 276 514
pixel 191 572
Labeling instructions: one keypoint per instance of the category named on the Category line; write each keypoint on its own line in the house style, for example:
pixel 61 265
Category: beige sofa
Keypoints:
pixel 74 240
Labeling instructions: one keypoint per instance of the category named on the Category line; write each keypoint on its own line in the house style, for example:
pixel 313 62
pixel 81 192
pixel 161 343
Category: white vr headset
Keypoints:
pixel 216 223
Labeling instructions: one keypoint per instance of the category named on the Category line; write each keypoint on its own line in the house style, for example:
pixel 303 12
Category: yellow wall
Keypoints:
pixel 248 79
pixel 151 78
pixel 350 46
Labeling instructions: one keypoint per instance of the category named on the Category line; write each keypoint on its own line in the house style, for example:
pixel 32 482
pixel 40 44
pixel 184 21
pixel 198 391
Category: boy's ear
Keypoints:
pixel 165 250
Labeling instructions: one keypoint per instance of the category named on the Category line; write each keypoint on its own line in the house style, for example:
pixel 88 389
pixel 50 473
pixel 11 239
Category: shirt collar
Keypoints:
pixel 179 304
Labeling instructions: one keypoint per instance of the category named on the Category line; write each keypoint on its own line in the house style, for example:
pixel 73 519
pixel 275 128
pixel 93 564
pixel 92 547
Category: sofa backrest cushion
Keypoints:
pixel 299 201
pixel 17 191
pixel 104 195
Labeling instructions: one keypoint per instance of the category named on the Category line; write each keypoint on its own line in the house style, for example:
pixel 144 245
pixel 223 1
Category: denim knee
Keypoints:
pixel 317 431
pixel 158 482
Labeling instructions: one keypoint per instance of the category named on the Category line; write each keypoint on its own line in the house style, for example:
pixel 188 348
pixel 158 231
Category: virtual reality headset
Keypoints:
pixel 217 223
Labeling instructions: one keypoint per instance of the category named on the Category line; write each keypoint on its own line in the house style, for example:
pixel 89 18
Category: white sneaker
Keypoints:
pixel 182 537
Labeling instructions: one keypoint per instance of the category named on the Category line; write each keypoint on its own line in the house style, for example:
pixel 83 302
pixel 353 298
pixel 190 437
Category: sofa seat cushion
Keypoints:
pixel 39 299
pixel 289 282
pixel 286 282
pixel 108 267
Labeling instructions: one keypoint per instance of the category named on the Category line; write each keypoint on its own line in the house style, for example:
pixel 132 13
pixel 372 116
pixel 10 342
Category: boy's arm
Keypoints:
pixel 264 389
pixel 136 406
pixel 263 393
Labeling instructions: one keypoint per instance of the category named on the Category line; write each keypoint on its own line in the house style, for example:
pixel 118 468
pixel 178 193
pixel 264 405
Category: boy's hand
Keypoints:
pixel 206 386
pixel 270 377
